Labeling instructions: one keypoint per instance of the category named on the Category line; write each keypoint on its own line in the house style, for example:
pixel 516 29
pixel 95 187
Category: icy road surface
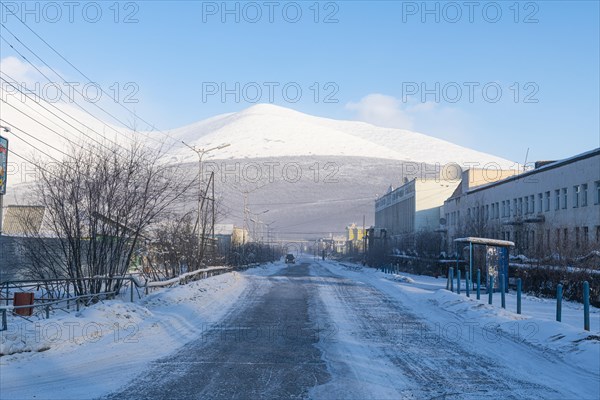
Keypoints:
pixel 311 331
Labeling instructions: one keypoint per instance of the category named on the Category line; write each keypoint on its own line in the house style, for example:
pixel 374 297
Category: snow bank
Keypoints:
pixel 105 345
pixel 481 326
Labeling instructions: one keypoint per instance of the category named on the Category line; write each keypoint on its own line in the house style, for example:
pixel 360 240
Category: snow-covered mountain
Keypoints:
pixel 314 175
pixel 267 130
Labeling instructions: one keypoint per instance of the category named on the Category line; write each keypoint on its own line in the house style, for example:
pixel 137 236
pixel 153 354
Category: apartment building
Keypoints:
pixel 552 209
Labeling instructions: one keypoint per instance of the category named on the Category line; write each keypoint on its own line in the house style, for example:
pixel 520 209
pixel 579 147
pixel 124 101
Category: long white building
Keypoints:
pixel 553 209
pixel 411 208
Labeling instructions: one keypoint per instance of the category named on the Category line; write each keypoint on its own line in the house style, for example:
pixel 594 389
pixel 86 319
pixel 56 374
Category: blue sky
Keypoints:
pixel 385 62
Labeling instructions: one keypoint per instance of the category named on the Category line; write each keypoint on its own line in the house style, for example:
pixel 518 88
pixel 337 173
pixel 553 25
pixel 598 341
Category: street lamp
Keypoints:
pixel 201 152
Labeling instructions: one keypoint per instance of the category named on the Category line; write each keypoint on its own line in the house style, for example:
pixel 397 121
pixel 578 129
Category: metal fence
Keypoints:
pixel 62 294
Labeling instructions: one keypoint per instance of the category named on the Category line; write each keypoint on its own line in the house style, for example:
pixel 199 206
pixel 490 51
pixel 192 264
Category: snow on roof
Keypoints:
pixel 486 241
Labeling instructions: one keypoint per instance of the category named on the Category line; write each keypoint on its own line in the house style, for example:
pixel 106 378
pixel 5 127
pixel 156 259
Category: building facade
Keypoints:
pixel 553 209
pixel 414 207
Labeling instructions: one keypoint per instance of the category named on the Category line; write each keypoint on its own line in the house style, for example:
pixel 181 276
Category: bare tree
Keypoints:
pixel 99 205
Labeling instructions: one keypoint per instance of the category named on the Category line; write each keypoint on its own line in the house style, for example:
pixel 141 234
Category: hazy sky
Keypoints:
pixel 499 77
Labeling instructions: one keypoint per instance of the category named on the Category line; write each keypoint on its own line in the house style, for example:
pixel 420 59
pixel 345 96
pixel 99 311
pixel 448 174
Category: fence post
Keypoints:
pixel 490 290
pixel 467 281
pixel 559 290
pixel 452 279
pixel 458 281
pixel 586 305
pixel 4 323
pixel 519 284
pixel 478 284
pixel 131 283
pixel 503 295
pixel 47 312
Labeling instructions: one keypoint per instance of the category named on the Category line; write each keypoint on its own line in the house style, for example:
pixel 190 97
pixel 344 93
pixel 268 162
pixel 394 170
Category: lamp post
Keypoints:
pixel 201 197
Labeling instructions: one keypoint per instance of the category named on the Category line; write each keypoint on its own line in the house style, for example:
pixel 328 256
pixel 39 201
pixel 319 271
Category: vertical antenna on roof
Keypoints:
pixel 525 163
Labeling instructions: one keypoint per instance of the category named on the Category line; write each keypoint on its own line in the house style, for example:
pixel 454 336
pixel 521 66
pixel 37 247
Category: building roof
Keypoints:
pixel 544 168
pixel 224 229
pixel 485 241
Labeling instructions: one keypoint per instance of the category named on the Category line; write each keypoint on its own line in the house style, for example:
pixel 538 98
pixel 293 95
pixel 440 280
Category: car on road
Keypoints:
pixel 290 259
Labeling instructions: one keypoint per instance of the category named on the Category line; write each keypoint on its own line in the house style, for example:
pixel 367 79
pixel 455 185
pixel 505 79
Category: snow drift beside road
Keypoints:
pixel 94 352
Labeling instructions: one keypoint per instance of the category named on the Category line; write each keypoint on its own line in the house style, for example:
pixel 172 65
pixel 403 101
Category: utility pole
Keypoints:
pixel 202 193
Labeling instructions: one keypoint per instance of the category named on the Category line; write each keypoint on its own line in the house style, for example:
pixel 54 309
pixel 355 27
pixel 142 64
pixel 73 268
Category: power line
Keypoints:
pixel 50 129
pixel 86 77
pixel 31 162
pixel 33 137
pixel 65 81
pixel 61 119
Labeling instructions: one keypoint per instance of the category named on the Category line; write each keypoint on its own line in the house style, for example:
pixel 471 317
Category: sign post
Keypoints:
pixel 3 175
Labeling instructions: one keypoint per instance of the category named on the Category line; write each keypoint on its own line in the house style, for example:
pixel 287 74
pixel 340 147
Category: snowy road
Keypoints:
pixel 309 331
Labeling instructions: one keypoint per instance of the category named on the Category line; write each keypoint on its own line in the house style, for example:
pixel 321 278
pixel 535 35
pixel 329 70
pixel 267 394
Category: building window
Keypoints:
pixel 520 209
pixel 558 238
pixel 575 196
pixel 532 201
pixel 586 236
pixel 598 233
pixel 548 239
pixel 557 199
pixel 566 236
pixel 547 208
pixel 577 237
pixel 497 210
pixel 597 183
pixel 526 210
pixel 540 202
pixel 584 191
pixel 565 193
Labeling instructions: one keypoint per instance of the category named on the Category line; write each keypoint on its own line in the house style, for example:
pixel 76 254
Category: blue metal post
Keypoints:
pixel 467 281
pixel 490 290
pixel 478 284
pixel 559 292
pixel 586 306
pixel 458 281
pixel 470 263
pixel 503 294
pixel 519 284
pixel 451 279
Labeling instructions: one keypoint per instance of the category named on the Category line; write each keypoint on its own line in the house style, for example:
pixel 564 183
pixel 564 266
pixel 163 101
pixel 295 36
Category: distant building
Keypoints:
pixel 21 224
pixel 552 209
pixel 23 221
pixel 413 207
pixel 355 238
pixel 228 235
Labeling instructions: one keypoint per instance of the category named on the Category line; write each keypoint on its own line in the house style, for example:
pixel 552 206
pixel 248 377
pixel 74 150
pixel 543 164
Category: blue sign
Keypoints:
pixel 3 164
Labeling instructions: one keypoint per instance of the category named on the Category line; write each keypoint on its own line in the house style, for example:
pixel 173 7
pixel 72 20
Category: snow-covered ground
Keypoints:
pixel 379 336
pixel 94 352
pixel 562 358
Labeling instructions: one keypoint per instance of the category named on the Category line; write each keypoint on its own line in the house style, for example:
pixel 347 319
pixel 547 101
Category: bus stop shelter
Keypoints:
pixel 496 258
